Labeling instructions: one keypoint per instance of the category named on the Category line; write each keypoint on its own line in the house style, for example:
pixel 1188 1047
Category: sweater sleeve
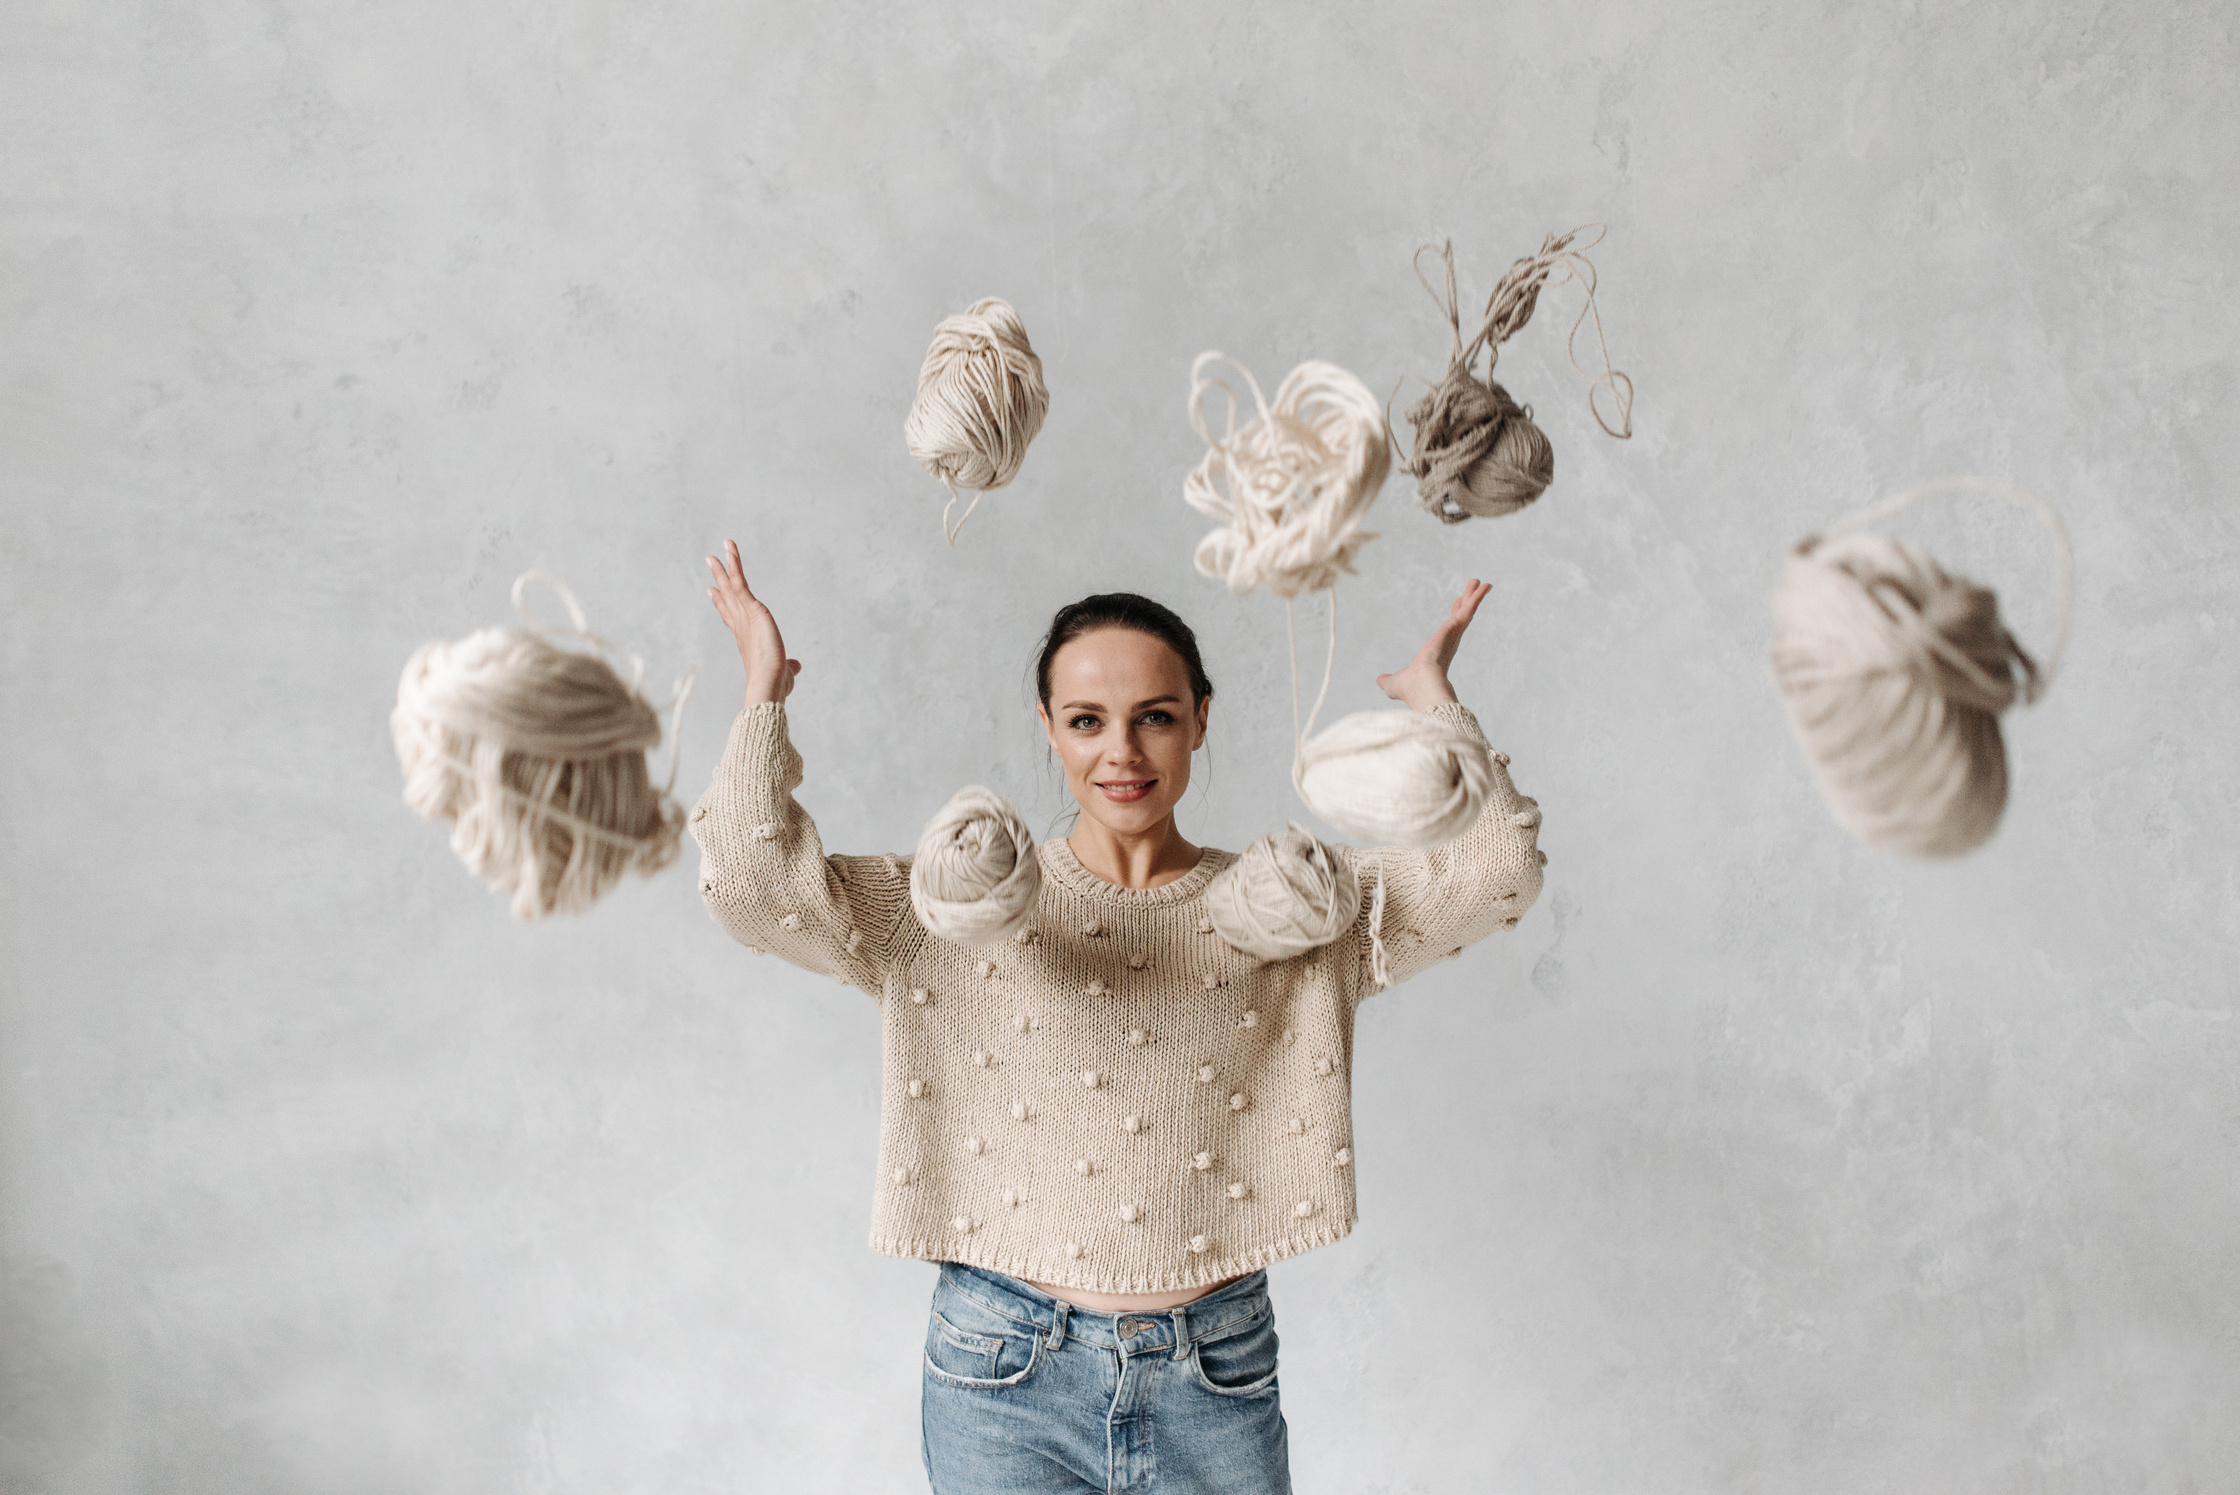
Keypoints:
pixel 1440 901
pixel 764 874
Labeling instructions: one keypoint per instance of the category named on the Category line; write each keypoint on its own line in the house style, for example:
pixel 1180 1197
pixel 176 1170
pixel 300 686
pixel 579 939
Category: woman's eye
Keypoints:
pixel 1083 724
pixel 1157 719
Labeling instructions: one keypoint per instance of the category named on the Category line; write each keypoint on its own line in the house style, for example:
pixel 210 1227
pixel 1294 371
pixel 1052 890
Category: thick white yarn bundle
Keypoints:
pixel 1283 896
pixel 1292 485
pixel 975 876
pixel 1291 488
pixel 1895 674
pixel 535 753
pixel 980 402
pixel 1404 777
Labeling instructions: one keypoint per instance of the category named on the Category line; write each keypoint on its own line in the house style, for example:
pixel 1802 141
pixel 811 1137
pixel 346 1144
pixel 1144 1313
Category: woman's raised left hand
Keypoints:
pixel 1423 684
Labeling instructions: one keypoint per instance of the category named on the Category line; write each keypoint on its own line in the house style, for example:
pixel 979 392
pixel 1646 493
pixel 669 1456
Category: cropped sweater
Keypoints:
pixel 1114 1099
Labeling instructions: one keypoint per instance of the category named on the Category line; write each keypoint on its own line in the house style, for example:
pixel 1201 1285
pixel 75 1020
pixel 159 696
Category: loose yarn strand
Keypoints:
pixel 1894 674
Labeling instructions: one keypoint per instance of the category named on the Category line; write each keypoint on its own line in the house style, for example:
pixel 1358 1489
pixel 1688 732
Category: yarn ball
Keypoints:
pixel 1283 896
pixel 980 401
pixel 976 874
pixel 1894 674
pixel 535 755
pixel 1292 485
pixel 1477 452
pixel 1406 778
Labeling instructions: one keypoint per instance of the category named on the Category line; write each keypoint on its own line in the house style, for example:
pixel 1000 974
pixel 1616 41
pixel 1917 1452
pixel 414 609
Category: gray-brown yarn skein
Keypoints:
pixel 1477 453
pixel 535 755
pixel 1895 673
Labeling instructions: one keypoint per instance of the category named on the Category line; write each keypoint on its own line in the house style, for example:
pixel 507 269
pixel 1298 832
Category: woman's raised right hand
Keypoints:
pixel 762 649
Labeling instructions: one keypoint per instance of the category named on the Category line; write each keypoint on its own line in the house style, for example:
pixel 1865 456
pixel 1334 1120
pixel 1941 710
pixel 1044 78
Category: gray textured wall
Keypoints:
pixel 1752 1161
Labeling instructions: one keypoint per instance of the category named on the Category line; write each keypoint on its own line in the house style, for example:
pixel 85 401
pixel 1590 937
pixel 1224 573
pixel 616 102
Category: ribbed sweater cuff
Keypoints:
pixel 1454 713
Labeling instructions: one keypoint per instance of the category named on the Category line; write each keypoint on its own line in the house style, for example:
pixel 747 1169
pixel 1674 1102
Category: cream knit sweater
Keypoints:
pixel 1114 1100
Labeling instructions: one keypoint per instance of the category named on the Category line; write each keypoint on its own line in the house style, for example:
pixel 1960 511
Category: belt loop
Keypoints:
pixel 1181 1319
pixel 1058 1325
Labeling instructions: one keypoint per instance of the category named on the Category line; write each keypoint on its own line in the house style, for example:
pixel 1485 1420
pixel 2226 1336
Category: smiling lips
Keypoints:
pixel 1125 791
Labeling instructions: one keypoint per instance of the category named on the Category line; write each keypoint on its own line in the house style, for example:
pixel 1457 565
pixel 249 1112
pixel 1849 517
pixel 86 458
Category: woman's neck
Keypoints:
pixel 1150 860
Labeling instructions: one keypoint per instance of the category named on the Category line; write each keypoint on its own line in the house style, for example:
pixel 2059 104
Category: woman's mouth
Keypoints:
pixel 1125 791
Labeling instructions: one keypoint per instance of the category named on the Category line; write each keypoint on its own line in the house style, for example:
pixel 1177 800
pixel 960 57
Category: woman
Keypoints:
pixel 1105 1127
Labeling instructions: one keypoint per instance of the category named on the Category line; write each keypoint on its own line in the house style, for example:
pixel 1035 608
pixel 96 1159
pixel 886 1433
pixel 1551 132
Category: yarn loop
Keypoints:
pixel 976 874
pixel 531 745
pixel 980 401
pixel 1477 452
pixel 1894 674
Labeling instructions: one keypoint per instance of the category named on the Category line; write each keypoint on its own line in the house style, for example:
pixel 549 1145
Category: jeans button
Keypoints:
pixel 1130 1328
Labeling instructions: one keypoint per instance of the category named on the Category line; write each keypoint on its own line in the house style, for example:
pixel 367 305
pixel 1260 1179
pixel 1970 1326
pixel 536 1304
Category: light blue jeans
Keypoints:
pixel 1025 1393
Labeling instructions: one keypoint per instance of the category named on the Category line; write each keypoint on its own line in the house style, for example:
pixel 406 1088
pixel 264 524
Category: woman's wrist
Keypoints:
pixel 1422 695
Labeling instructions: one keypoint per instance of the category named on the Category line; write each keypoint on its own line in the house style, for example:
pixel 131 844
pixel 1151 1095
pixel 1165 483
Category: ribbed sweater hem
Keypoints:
pixel 1063 1272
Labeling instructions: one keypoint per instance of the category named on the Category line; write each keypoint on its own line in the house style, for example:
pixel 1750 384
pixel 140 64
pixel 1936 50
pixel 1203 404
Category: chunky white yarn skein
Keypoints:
pixel 1283 896
pixel 535 753
pixel 976 874
pixel 980 402
pixel 1895 673
pixel 1292 485
pixel 1404 777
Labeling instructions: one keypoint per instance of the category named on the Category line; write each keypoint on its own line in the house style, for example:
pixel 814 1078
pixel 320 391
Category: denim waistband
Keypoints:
pixel 1133 1333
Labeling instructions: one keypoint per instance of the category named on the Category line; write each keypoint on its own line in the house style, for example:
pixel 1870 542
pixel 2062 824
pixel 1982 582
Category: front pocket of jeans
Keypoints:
pixel 1242 1363
pixel 981 1362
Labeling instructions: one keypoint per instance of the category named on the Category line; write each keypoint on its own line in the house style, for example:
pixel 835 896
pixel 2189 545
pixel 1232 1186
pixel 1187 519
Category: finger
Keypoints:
pixel 738 574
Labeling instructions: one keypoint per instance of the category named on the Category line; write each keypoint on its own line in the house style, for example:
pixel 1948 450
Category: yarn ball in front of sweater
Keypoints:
pixel 1283 896
pixel 1403 777
pixel 975 876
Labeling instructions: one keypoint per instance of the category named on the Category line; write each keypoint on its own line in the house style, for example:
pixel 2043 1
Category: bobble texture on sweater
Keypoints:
pixel 1109 1098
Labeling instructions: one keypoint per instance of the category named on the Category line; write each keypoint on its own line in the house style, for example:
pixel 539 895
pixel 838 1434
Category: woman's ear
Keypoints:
pixel 1205 704
pixel 1049 733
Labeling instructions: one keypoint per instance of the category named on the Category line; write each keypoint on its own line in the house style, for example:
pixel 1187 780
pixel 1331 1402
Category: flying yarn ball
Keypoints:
pixel 1894 674
pixel 980 401
pixel 1283 896
pixel 535 755
pixel 1292 485
pixel 975 876
pixel 1477 452
pixel 1406 778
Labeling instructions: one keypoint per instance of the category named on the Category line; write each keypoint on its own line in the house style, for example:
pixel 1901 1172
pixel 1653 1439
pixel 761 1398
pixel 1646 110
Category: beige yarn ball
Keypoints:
pixel 1283 896
pixel 980 401
pixel 1894 674
pixel 535 755
pixel 976 874
pixel 1401 777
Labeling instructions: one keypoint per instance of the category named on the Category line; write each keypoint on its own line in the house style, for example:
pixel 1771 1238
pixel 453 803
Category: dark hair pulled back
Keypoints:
pixel 1122 610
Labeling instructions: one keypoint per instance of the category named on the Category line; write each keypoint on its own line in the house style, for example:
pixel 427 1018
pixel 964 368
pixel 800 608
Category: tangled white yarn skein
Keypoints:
pixel 980 401
pixel 975 876
pixel 1283 896
pixel 1292 485
pixel 535 753
pixel 1894 674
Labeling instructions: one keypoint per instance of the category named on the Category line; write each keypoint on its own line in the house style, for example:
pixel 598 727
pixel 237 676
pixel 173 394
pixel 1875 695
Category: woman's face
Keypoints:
pixel 1121 721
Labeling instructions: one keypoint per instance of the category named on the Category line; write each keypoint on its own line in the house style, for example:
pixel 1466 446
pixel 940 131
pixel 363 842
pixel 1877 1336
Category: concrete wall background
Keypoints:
pixel 1752 1161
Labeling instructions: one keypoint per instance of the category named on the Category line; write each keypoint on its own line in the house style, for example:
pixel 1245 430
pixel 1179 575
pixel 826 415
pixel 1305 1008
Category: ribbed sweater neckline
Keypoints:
pixel 1059 862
